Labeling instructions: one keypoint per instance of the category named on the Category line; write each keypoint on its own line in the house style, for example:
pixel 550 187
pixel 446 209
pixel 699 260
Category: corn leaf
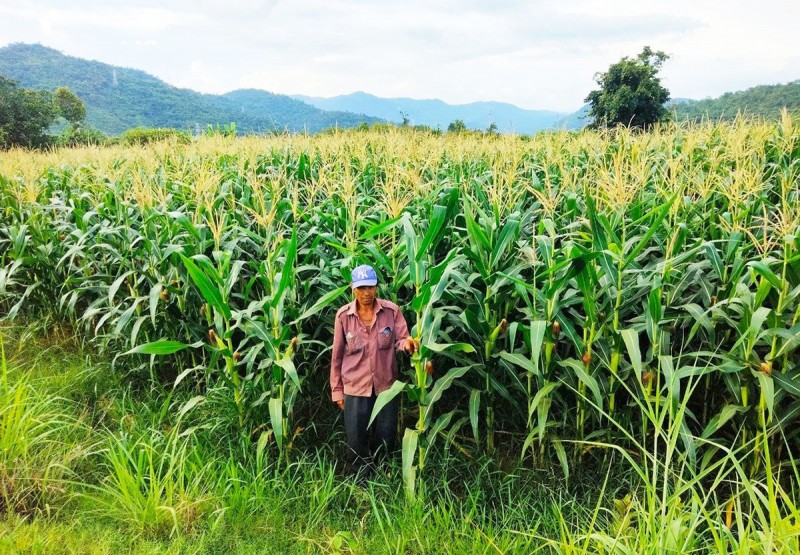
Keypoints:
pixel 788 382
pixel 631 339
pixel 163 347
pixel 442 384
pixel 474 409
pixel 276 418
pixel 761 268
pixel 767 391
pixel 587 379
pixel 386 397
pixel 409 469
pixel 379 229
pixel 720 419
pixel 530 366
pixel 288 366
pixel 322 303
pixel 208 290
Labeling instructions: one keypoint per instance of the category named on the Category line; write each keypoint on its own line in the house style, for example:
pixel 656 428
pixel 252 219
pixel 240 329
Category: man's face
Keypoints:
pixel 365 295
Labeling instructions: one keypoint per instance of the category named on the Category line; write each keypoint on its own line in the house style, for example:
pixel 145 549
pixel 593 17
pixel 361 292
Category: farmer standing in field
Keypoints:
pixel 366 333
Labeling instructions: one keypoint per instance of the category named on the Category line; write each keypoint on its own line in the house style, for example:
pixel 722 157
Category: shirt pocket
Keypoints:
pixel 385 338
pixel 353 343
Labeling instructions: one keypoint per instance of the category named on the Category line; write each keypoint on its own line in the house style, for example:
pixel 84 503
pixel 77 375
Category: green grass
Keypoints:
pixel 144 477
pixel 106 467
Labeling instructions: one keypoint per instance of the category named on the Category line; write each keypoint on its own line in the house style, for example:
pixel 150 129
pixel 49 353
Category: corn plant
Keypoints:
pixel 430 280
pixel 490 291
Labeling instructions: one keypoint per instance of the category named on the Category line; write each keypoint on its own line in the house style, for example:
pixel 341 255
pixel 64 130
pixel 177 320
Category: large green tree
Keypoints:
pixel 630 92
pixel 25 115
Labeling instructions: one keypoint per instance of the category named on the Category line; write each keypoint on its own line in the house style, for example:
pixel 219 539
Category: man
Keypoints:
pixel 366 333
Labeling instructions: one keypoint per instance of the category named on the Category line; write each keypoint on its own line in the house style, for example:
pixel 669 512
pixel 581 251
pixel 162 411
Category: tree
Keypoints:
pixel 457 126
pixel 70 106
pixel 630 92
pixel 25 115
pixel 76 134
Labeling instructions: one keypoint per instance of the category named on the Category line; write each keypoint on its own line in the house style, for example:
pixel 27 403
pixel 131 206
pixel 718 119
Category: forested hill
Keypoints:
pixel 764 100
pixel 120 98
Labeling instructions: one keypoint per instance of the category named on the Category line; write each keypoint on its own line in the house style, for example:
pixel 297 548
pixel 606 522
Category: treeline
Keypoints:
pixel 36 119
pixel 27 115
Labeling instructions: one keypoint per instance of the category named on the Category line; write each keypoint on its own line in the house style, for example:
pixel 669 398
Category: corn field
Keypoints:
pixel 570 291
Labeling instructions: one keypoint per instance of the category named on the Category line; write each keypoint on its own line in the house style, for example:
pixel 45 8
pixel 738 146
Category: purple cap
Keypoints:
pixel 364 275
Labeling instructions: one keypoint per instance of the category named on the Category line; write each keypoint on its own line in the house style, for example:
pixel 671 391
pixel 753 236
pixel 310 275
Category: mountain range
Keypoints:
pixel 437 114
pixel 119 98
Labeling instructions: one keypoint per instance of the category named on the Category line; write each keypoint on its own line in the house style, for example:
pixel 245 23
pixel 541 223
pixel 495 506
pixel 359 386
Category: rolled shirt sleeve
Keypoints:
pixel 337 356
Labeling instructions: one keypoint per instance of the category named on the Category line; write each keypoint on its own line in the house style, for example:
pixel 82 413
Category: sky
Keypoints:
pixel 537 54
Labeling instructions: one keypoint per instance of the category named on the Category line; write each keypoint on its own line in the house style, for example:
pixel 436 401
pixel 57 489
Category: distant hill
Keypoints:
pixel 120 98
pixel 285 112
pixel 764 101
pixel 435 113
pixel 576 120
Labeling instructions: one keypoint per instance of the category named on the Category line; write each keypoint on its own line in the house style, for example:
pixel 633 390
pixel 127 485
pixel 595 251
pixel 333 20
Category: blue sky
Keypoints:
pixel 538 54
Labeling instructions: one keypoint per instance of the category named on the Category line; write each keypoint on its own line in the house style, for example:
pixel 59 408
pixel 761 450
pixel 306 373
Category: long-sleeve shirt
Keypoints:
pixel 363 358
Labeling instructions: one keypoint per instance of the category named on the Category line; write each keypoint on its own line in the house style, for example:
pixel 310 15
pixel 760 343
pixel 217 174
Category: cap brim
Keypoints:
pixel 365 283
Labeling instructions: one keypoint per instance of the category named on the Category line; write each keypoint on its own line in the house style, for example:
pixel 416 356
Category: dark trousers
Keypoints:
pixel 364 443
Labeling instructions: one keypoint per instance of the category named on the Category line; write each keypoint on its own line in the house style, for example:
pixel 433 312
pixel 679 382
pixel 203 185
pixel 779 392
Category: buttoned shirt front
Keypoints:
pixel 363 357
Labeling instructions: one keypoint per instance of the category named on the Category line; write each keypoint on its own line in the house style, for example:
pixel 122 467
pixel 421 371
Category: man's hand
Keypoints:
pixel 411 346
pixel 340 404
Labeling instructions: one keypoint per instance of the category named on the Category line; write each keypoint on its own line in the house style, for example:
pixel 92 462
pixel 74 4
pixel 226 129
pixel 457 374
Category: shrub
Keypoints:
pixel 145 135
pixel 77 134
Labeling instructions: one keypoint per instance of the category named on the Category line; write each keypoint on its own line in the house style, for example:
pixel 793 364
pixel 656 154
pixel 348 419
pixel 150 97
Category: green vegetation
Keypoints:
pixel 70 107
pixel 151 472
pixel 456 126
pixel 25 115
pixel 143 136
pixel 76 134
pixel 608 325
pixel 630 93
pixel 765 101
pixel 119 481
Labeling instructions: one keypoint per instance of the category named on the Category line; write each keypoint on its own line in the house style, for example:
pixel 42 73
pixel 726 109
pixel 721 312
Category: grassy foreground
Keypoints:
pixel 92 463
